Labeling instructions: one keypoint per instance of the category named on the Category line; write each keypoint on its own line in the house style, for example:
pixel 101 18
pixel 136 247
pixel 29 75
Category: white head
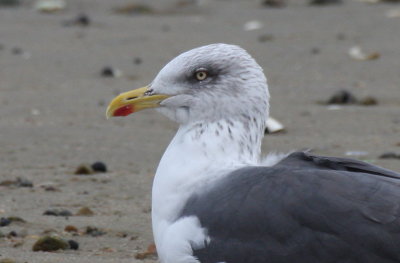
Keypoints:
pixel 209 83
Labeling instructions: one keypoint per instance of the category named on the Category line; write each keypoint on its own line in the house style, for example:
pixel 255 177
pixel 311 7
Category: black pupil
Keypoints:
pixel 201 75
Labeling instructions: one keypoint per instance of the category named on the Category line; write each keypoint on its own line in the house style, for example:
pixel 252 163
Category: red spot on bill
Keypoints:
pixel 124 111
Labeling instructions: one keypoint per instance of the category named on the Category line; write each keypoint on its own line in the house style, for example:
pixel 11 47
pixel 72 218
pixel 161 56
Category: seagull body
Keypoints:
pixel 213 200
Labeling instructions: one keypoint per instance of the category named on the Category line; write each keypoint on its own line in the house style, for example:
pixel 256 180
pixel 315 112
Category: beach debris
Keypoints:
pixel 19 182
pixel 84 169
pixel 73 244
pixel 50 6
pixel 324 2
pixel 357 53
pixel 265 38
pixel 368 101
pixel 150 252
pixel 390 155
pixel 393 13
pixel 99 167
pixel 82 20
pixel 252 25
pixel 356 153
pixel 4 221
pixel 71 228
pixel 110 72
pixel 134 9
pixel 9 3
pixel 273 126
pixel 50 243
pixel 137 61
pixel 274 3
pixel 94 231
pixel 84 211
pixel 345 97
pixel 57 212
pixel 342 97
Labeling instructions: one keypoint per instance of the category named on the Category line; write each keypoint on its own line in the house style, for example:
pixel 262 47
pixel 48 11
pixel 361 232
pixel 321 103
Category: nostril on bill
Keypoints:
pixel 130 98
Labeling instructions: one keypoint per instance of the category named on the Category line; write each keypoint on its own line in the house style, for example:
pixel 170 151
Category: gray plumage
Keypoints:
pixel 306 208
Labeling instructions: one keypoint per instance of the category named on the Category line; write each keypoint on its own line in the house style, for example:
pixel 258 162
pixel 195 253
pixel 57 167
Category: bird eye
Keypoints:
pixel 201 75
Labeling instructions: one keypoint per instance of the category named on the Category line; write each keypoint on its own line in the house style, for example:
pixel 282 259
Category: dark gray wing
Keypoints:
pixel 304 209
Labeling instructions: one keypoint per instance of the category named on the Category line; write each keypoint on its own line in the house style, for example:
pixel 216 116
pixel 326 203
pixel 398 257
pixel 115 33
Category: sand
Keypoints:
pixel 53 101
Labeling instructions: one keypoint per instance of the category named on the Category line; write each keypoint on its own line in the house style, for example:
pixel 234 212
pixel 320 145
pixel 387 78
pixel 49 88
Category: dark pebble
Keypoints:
pixel 265 38
pixel 137 61
pixel 83 170
pixel 99 167
pixel 324 2
pixel 9 3
pixel 50 243
pixel 17 50
pixel 273 3
pixel 82 20
pixel 390 155
pixel 108 72
pixel 315 51
pixel 22 182
pixel 369 101
pixel 4 221
pixel 94 231
pixel 12 234
pixel 73 244
pixel 57 212
pixel 342 97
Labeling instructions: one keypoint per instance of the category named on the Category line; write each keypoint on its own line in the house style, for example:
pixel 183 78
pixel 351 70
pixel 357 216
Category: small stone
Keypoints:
pixel 82 20
pixel 7 260
pixel 4 221
pixel 50 243
pixel 85 211
pixel 315 51
pixel 342 97
pixel 137 61
pixel 70 228
pixel 389 155
pixel 99 167
pixel 16 219
pixel 109 72
pixel 368 101
pixel 324 2
pixel 57 212
pixel 273 3
pixel 12 234
pixel 73 244
pixel 150 252
pixel 94 231
pixel 22 182
pixel 83 169
pixel 265 38
pixel 9 3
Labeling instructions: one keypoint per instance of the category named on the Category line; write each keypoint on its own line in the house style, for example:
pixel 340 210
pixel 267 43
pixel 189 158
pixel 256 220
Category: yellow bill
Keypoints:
pixel 132 101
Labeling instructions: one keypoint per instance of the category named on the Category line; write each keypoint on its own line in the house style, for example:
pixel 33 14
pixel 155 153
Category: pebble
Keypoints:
pixel 94 231
pixel 71 228
pixel 7 260
pixel 324 2
pixel 99 167
pixel 57 212
pixel 273 3
pixel 110 72
pixel 390 155
pixel 73 244
pixel 22 182
pixel 85 211
pixel 368 101
pixel 137 61
pixel 50 243
pixel 265 38
pixel 342 97
pixel 12 234
pixel 9 3
pixel 4 221
pixel 84 169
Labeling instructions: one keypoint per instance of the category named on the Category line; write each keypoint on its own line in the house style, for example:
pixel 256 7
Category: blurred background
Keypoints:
pixel 333 69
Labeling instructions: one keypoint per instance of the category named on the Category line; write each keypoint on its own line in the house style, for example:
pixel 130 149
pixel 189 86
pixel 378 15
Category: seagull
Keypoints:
pixel 214 199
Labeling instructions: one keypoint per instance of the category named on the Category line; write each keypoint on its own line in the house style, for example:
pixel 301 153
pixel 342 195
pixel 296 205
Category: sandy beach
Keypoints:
pixel 53 99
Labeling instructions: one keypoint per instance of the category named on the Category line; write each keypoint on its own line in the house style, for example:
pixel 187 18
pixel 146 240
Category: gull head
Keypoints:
pixel 206 84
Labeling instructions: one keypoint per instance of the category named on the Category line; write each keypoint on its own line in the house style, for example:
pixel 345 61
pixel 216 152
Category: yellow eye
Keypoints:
pixel 201 75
